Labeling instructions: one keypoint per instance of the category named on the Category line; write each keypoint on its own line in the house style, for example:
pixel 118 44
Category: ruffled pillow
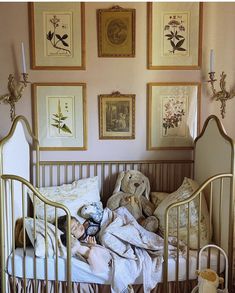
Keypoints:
pixel 73 196
pixel 183 192
pixel 157 197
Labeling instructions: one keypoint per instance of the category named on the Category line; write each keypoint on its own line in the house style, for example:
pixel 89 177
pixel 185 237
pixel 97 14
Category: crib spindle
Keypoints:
pixel 199 226
pixel 56 251
pixel 220 221
pixel 46 246
pixel 188 244
pixel 210 224
pixel 13 232
pixel 24 236
pixel 34 238
pixel 177 254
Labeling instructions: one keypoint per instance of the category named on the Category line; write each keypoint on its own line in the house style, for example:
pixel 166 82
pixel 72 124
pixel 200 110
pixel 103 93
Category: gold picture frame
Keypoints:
pixel 59 115
pixel 57 35
pixel 173 115
pixel 110 42
pixel 116 116
pixel 174 35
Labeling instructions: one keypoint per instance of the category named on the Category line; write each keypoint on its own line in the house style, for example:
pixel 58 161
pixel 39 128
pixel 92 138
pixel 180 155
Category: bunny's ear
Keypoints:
pixel 147 189
pixel 117 187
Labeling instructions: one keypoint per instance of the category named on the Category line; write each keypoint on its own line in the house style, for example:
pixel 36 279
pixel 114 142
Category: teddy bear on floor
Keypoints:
pixel 132 191
pixel 208 281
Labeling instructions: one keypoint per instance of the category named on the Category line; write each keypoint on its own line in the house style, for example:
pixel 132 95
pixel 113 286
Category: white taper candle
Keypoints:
pixel 212 60
pixel 23 58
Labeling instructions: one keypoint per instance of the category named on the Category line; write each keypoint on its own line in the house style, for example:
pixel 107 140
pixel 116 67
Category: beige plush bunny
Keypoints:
pixel 132 191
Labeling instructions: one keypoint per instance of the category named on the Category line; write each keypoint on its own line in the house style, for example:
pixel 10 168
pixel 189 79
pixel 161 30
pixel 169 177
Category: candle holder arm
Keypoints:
pixel 223 95
pixel 15 91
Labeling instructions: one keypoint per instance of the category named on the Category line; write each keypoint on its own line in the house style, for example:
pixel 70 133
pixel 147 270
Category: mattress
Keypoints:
pixel 81 271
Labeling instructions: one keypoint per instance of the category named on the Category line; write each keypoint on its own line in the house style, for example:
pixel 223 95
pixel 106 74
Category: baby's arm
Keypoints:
pixel 77 248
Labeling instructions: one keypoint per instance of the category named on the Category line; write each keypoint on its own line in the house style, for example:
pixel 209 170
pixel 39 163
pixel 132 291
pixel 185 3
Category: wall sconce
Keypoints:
pixel 221 95
pixel 15 88
pixel 15 91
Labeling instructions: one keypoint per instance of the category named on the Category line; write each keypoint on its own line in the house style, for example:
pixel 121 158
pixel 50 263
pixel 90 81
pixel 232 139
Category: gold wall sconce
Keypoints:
pixel 223 96
pixel 15 88
pixel 15 91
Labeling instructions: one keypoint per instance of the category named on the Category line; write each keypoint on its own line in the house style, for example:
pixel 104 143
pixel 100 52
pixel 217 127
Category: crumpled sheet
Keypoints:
pixel 134 250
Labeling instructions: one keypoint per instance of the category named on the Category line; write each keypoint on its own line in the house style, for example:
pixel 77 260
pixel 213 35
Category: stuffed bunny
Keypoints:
pixel 132 191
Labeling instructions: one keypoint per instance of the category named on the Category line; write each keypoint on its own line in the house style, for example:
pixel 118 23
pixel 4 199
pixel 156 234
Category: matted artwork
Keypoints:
pixel 116 32
pixel 117 116
pixel 57 35
pixel 60 115
pixel 173 115
pixel 174 35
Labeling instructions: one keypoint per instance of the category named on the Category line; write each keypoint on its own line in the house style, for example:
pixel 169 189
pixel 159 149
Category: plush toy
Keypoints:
pixel 132 191
pixel 208 281
pixel 93 213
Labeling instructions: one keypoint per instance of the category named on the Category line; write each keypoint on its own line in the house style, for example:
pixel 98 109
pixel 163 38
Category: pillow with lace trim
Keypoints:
pixel 183 192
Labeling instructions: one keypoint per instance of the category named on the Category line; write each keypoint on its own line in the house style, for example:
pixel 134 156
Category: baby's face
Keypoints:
pixel 77 229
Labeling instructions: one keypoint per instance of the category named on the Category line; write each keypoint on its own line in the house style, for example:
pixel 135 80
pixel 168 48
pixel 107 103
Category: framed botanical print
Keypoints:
pixel 116 32
pixel 117 116
pixel 57 35
pixel 59 111
pixel 173 115
pixel 174 35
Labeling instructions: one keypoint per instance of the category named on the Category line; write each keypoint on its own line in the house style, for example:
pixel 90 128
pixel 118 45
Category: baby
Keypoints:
pixel 84 246
pixel 78 232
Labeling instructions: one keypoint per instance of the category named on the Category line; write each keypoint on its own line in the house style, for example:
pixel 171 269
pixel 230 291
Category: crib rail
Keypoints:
pixel 8 216
pixel 215 188
pixel 164 176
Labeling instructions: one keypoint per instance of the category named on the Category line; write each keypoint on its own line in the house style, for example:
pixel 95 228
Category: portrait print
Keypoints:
pixel 117 116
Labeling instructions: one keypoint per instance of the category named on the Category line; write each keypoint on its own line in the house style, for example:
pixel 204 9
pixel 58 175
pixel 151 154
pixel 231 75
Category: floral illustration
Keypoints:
pixel 173 113
pixel 175 32
pixel 58 41
pixel 59 119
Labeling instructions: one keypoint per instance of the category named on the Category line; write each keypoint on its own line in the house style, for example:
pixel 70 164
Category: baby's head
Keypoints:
pixel 77 229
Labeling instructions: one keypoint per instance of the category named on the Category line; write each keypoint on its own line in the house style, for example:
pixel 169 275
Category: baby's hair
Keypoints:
pixel 62 226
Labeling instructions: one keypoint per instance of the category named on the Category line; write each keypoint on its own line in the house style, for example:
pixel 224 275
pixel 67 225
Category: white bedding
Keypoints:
pixel 81 271
pixel 136 254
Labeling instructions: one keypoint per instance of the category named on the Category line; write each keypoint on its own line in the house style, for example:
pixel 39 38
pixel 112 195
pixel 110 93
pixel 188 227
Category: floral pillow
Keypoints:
pixel 73 196
pixel 183 192
pixel 157 197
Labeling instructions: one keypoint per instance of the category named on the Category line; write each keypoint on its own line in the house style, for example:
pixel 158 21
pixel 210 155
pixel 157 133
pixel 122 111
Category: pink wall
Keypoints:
pixel 127 75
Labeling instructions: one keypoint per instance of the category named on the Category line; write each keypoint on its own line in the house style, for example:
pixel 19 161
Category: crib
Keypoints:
pixel 23 271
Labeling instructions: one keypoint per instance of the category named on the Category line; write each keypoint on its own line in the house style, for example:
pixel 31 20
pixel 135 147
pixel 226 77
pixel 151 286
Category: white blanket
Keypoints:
pixel 134 250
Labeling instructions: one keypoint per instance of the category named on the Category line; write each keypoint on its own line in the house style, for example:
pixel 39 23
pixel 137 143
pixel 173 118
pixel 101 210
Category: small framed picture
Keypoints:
pixel 116 32
pixel 174 35
pixel 173 115
pixel 117 116
pixel 57 35
pixel 60 115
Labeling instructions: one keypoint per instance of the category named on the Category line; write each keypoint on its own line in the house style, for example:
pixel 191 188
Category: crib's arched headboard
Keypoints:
pixel 214 149
pixel 214 154
pixel 16 154
pixel 20 138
